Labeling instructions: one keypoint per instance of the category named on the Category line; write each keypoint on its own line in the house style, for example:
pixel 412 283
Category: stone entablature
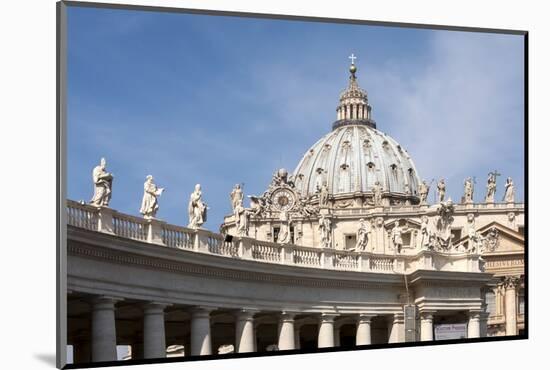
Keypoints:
pixel 108 221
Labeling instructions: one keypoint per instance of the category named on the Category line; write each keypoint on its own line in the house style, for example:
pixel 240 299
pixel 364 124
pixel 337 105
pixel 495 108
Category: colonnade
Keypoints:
pixel 103 336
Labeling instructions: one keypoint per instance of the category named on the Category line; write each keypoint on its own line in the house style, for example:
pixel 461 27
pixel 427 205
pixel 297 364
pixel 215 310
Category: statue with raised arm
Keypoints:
pixel 441 190
pixel 362 235
pixel 103 182
pixel 468 197
pixel 197 208
pixel 149 203
pixel 509 191
pixel 236 196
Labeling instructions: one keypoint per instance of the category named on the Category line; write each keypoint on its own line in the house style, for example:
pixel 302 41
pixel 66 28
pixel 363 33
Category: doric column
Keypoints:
pixel 244 331
pixel 201 343
pixel 326 331
pixel 363 335
pixel 510 304
pixel 473 324
pixel 103 329
pixel 154 336
pixel 397 328
pixel 426 326
pixel 286 331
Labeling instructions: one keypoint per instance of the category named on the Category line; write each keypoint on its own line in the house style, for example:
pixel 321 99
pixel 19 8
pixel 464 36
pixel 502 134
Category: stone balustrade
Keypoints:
pixel 106 220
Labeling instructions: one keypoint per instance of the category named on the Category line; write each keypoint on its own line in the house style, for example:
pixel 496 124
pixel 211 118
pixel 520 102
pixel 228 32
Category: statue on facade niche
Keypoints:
pixel 423 190
pixel 323 195
pixel 425 233
pixel 284 236
pixel 241 216
pixel 103 182
pixel 325 231
pixel 149 203
pixel 362 235
pixel 196 208
pixel 377 193
pixel 468 197
pixel 491 187
pixel 444 221
pixel 441 190
pixel 509 191
pixel 397 235
pixel 236 196
pixel 257 205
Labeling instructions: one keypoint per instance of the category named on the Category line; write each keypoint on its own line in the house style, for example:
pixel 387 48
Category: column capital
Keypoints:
pixel 427 315
pixel 511 282
pixel 154 307
pixel 328 317
pixel 104 302
pixel 474 314
pixel 398 317
pixel 365 317
pixel 245 313
pixel 198 311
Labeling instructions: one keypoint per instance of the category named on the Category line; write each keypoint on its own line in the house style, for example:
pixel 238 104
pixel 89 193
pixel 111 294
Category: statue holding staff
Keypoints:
pixel 103 182
pixel 197 208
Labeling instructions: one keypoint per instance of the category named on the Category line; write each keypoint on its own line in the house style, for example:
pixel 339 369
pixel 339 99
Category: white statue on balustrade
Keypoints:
pixel 103 182
pixel 491 187
pixel 397 235
pixel 509 191
pixel 236 196
pixel 241 220
pixel 363 235
pixel 441 188
pixel 325 231
pixel 468 197
pixel 196 208
pixel 423 191
pixel 149 203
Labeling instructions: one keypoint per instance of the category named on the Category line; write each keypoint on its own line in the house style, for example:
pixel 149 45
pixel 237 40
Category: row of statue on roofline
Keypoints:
pixel 436 236
pixel 103 182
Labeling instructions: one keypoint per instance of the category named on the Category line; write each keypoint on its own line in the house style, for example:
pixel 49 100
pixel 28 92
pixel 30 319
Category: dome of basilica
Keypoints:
pixel 355 155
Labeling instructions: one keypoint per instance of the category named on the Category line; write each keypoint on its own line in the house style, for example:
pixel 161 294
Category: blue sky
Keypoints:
pixel 224 100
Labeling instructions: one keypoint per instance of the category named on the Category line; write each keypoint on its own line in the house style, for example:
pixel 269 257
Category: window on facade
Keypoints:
pixel 351 241
pixel 491 303
pixel 457 234
pixel 521 230
pixel 276 233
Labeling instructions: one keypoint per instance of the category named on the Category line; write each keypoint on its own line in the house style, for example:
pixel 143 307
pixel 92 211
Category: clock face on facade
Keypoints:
pixel 283 200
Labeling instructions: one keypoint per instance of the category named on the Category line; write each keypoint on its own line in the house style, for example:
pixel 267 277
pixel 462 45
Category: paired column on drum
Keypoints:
pixel 363 335
pixel 427 325
pixel 103 329
pixel 245 339
pixel 154 335
pixel 201 343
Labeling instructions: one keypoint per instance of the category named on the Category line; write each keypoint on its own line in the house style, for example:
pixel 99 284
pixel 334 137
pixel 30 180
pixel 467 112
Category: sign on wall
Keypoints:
pixel 450 331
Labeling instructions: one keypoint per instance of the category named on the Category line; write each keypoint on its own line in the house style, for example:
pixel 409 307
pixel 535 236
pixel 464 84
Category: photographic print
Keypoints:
pixel 251 185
